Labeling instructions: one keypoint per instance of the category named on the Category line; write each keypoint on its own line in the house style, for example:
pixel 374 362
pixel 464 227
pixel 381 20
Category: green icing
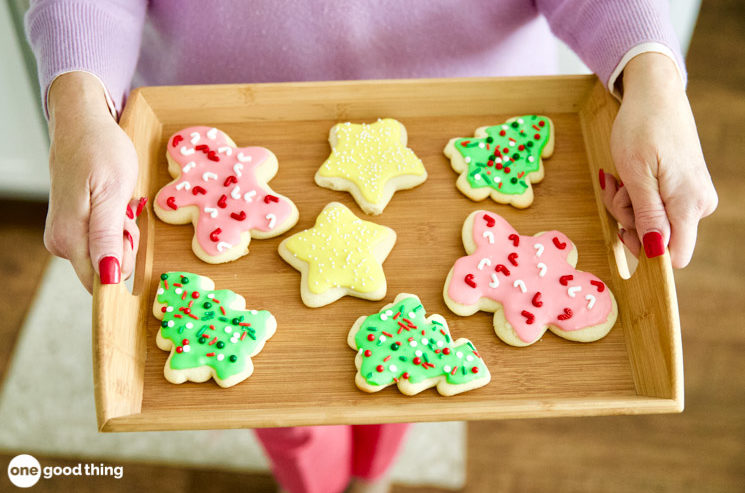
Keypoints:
pixel 483 155
pixel 231 353
pixel 411 336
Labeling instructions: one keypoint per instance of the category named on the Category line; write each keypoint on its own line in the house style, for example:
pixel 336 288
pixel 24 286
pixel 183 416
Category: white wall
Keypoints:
pixel 23 159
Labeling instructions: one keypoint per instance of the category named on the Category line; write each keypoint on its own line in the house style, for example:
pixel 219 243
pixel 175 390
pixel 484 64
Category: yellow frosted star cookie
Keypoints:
pixel 340 255
pixel 372 162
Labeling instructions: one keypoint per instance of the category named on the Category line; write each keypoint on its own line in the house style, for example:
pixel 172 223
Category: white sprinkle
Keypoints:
pixel 440 343
pixel 383 317
pixel 228 329
pixel 211 211
pixel 243 158
pixel 412 343
pixel 237 167
pixel 160 291
pixel 468 159
pixel 170 323
pixel 483 263
pixel 184 184
pixel 382 338
pixel 393 368
pixel 477 176
pixel 253 312
pixel 425 341
pixel 572 291
pixel 481 145
pixel 459 354
pixel 187 151
pixel 179 290
pixel 590 301
pixel 248 196
pixel 494 281
pixel 469 358
pixel 212 133
pixel 412 315
pixel 195 137
pixel 418 352
pixel 186 348
pixel 226 150
pixel 169 309
pixel 189 325
pixel 538 249
pixel 519 283
pixel 489 236
pixel 223 245
pixel 188 166
pixel 542 268
pixel 209 175
pixel 220 357
pixel 236 192
pixel 210 295
pixel 272 220
pixel 531 159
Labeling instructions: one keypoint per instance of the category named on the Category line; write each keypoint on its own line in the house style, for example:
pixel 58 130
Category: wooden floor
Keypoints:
pixel 701 450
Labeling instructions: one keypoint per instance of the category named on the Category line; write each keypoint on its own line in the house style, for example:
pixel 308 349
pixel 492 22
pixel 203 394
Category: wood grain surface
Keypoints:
pixel 305 374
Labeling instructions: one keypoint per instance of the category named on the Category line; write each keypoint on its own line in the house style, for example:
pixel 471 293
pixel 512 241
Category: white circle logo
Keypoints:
pixel 24 471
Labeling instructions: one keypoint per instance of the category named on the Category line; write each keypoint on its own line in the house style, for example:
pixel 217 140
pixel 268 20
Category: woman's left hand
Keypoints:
pixel 665 187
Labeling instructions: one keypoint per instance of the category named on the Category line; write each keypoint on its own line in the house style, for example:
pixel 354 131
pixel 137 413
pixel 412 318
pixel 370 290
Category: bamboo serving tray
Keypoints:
pixel 305 374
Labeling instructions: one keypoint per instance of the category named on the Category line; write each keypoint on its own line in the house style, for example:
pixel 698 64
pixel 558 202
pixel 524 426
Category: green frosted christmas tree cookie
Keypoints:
pixel 210 333
pixel 401 345
pixel 502 161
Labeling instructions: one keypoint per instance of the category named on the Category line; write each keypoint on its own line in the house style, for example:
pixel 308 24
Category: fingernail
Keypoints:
pixel 620 235
pixel 129 237
pixel 620 184
pixel 109 270
pixel 653 245
pixel 140 206
pixel 601 178
pixel 130 214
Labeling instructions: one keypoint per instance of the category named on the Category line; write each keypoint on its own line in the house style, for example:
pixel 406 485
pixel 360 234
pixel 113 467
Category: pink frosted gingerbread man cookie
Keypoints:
pixel 529 282
pixel 222 189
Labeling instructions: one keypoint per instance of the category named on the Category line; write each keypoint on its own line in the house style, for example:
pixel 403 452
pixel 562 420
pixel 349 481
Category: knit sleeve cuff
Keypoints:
pixel 100 38
pixel 635 51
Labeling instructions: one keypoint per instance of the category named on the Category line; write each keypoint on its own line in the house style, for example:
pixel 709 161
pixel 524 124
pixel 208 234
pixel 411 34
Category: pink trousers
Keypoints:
pixel 322 459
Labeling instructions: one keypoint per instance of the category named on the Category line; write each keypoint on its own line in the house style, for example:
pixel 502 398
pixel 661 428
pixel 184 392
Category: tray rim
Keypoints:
pixel 119 355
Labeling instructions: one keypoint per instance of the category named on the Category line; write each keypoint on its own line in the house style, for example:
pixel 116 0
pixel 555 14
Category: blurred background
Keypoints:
pixel 703 449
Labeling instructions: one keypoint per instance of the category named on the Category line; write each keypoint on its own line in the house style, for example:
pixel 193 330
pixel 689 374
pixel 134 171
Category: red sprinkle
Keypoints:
pixel 507 169
pixel 271 198
pixel 198 190
pixel 202 147
pixel 205 335
pixel 499 166
pixel 558 244
pixel 515 239
pixel 183 295
pixel 537 300
pixel 387 358
pixel 599 285
pixel 442 331
pixel 535 127
pixel 470 281
pixel 163 309
pixel 387 334
pixel 398 314
pixel 210 354
pixel 566 315
pixel 185 342
pixel 178 316
pixel 530 318
pixel 475 369
pixel 565 279
pixel 212 327
pixel 455 367
pixel 195 295
pixel 446 350
pixel 213 341
pixel 238 217
pixel 417 360
pixel 380 368
pixel 212 156
pixel 176 140
pixel 465 143
pixel 541 123
pixel 222 309
pixel 370 337
pixel 513 258
pixel 214 235
pixel 520 174
pixel 502 133
pixel 537 137
pixel 406 375
pixel 490 221
pixel 229 180
pixel 222 201
pixel 179 349
pixel 171 202
pixel 244 324
pixel 368 353
pixel 178 284
pixel 501 268
pixel 521 147
pixel 243 336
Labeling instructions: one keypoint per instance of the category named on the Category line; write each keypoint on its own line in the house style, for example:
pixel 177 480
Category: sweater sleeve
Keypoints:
pixel 101 37
pixel 607 34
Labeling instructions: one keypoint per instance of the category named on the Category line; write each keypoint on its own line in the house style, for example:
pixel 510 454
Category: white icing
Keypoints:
pixel 494 281
pixel 590 301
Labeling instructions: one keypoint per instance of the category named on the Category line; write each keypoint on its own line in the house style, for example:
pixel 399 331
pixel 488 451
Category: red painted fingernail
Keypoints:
pixel 601 178
pixel 140 206
pixel 129 237
pixel 620 235
pixel 109 270
pixel 130 214
pixel 653 245
pixel 620 184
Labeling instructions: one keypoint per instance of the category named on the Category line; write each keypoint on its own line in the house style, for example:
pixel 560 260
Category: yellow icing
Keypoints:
pixel 369 155
pixel 339 251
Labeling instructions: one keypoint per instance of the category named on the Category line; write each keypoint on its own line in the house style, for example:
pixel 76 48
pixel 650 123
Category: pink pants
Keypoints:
pixel 322 459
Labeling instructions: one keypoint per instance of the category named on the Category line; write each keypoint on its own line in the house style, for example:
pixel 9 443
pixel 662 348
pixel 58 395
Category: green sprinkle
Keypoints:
pixel 164 276
pixel 436 322
pixel 403 358
pixel 233 358
pixel 184 280
pixel 181 329
pixel 220 344
pixel 418 307
pixel 470 344
pixel 371 329
pixel 164 324
pixel 201 331
pixel 207 304
pixel 369 375
pixel 425 357
pixel 251 336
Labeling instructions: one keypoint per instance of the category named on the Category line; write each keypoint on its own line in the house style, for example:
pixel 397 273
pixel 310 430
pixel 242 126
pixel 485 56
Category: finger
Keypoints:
pixel 131 240
pixel 66 236
pixel 684 229
pixel 630 239
pixel 106 229
pixel 616 199
pixel 650 216
pixel 81 262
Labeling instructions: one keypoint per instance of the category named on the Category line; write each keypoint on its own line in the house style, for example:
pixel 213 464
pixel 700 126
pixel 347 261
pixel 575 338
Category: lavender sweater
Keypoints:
pixel 187 42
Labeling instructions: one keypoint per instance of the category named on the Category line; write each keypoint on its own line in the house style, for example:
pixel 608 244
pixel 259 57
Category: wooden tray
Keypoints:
pixel 305 374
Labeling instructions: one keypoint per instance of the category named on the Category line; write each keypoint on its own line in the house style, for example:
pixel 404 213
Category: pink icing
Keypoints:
pixel 209 168
pixel 469 283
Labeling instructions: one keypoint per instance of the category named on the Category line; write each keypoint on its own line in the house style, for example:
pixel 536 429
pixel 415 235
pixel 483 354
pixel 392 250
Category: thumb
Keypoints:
pixel 650 216
pixel 106 226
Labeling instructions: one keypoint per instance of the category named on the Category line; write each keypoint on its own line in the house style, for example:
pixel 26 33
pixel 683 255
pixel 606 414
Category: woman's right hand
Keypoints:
pixel 93 171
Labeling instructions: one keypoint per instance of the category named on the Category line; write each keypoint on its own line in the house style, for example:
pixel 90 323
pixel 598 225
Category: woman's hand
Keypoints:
pixel 665 188
pixel 93 170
